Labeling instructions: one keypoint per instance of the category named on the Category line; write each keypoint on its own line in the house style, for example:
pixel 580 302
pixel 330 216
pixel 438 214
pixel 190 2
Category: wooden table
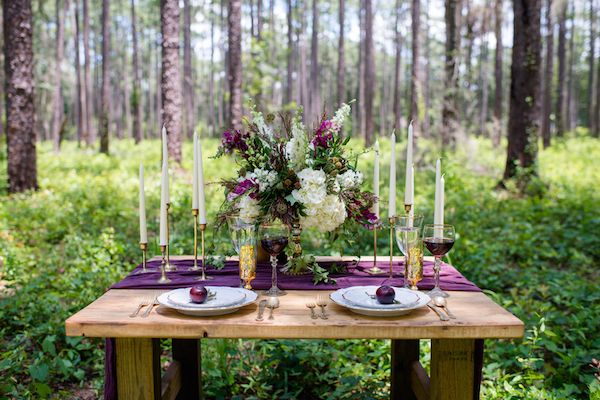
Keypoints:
pixel 453 345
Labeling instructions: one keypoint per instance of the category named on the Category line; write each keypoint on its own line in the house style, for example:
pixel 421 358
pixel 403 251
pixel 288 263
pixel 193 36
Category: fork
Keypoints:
pixel 312 306
pixel 150 306
pixel 322 302
pixel 143 303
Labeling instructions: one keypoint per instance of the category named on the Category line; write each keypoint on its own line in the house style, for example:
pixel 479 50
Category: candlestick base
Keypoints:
pixel 203 276
pixel 144 270
pixel 163 271
pixel 168 266
pixel 375 270
pixel 195 266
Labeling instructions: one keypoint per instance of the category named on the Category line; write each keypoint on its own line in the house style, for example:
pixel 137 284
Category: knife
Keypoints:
pixel 261 310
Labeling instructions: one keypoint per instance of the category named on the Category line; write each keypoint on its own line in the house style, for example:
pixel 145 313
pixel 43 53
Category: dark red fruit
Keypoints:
pixel 198 294
pixel 385 294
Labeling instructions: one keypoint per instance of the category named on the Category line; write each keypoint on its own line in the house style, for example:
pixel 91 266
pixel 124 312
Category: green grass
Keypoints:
pixel 536 255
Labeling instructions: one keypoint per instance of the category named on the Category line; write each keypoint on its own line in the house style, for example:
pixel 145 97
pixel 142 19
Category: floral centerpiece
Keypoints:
pixel 306 179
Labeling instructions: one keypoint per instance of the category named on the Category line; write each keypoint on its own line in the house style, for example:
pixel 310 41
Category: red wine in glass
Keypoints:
pixel 438 246
pixel 274 245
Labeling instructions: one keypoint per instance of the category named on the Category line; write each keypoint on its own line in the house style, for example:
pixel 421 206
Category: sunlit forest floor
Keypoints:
pixel 536 255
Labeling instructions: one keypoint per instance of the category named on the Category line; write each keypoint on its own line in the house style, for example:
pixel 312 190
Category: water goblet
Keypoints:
pixel 274 239
pixel 438 239
pixel 408 227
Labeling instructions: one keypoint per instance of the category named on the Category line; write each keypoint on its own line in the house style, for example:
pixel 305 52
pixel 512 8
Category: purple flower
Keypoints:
pixel 235 140
pixel 242 188
pixel 323 134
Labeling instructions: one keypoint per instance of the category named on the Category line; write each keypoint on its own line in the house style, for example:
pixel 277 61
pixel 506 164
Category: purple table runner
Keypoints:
pixel 450 279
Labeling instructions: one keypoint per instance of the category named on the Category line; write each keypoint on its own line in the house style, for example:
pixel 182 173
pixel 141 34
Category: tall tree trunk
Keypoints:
pixel 80 99
pixel 361 71
pixel 398 70
pixel 315 86
pixel 449 111
pixel 591 70
pixel 170 83
pixel 303 96
pixel 235 63
pixel 498 74
pixel 259 19
pixel 548 76
pixel 289 90
pixel 224 86
pixel 523 123
pixel 211 66
pixel 341 66
pixel 19 95
pixel 88 135
pixel 57 104
pixel 415 88
pixel 483 73
pixel 105 106
pixel 369 71
pixel 136 95
pixel 571 114
pixel 596 131
pixel 562 66
pixel 188 79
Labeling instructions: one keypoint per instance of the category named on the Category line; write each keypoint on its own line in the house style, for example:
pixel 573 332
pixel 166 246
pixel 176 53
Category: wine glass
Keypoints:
pixel 408 231
pixel 438 239
pixel 243 236
pixel 274 238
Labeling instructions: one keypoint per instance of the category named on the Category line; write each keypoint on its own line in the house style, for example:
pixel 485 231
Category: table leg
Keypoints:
pixel 138 368
pixel 404 354
pixel 454 374
pixel 188 353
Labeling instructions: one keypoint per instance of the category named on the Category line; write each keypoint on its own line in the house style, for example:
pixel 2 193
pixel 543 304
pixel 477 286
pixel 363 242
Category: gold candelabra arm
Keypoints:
pixel 407 208
pixel 392 221
pixel 144 248
pixel 163 266
pixel 203 276
pixel 168 265
pixel 195 213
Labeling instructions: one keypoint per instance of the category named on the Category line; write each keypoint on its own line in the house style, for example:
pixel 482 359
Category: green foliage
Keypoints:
pixel 536 255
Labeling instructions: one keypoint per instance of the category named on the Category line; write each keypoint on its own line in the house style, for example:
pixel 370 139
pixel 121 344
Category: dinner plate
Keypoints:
pixel 223 297
pixel 338 298
pixel 249 298
pixel 361 296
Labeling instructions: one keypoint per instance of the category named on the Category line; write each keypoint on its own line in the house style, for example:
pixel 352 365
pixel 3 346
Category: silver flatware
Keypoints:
pixel 150 307
pixel 273 303
pixel 312 306
pixel 322 302
pixel 138 309
pixel 261 310
pixel 440 314
pixel 443 304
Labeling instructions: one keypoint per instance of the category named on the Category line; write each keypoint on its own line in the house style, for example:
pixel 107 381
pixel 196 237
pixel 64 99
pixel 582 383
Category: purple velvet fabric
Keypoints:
pixel 450 279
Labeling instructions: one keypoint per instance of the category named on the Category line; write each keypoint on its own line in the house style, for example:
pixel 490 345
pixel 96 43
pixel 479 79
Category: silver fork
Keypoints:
pixel 322 302
pixel 143 303
pixel 440 314
pixel 312 306
pixel 150 307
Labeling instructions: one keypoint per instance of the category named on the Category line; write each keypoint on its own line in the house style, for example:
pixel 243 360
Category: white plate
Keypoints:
pixel 359 296
pixel 224 296
pixel 250 297
pixel 338 298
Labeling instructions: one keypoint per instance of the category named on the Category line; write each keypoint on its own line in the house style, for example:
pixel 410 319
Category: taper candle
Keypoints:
pixel 165 159
pixel 438 215
pixel 376 179
pixel 195 174
pixel 142 208
pixel 409 179
pixel 201 198
pixel 163 205
pixel 392 201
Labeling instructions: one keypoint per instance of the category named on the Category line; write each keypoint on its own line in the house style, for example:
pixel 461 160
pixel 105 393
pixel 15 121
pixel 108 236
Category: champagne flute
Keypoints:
pixel 438 239
pixel 274 239
pixel 243 236
pixel 408 230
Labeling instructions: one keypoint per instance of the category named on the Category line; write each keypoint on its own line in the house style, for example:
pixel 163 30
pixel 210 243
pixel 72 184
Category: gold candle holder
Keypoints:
pixel 144 248
pixel 203 276
pixel 168 266
pixel 407 208
pixel 195 267
pixel 163 266
pixel 375 270
pixel 392 221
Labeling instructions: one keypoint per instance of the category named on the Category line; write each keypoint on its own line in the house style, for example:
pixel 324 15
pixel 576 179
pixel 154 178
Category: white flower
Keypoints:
pixel 259 121
pixel 248 207
pixel 350 179
pixel 295 148
pixel 325 216
pixel 264 178
pixel 313 188
pixel 340 115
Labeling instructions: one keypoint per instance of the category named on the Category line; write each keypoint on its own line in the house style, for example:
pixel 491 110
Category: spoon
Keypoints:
pixel 272 303
pixel 442 303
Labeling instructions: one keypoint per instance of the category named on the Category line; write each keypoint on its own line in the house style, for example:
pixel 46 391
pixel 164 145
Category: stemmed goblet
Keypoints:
pixel 274 239
pixel 243 236
pixel 408 231
pixel 438 239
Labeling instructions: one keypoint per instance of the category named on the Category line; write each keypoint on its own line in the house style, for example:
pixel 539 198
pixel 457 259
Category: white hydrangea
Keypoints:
pixel 264 178
pixel 341 114
pixel 325 216
pixel 313 187
pixel 350 179
pixel 249 209
pixel 295 148
pixel 259 120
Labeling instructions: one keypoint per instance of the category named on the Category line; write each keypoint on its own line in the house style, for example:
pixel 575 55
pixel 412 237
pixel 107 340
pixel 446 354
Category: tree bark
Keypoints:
pixel 341 66
pixel 289 89
pixel 80 99
pixel 188 79
pixel 449 111
pixel 398 70
pixel 415 89
pixel 211 81
pixel 88 134
pixel 523 124
pixel 426 72
pixel 498 74
pixel 369 72
pixel 235 63
pixel 483 73
pixel 571 112
pixel 19 95
pixel 57 104
pixel 361 71
pixel 136 96
pixel 548 76
pixel 562 64
pixel 105 107
pixel 591 70
pixel 170 83
pixel 315 86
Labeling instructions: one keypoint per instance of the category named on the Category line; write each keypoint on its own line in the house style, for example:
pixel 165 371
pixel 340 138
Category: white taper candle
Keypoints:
pixel 142 208
pixel 195 174
pixel 376 180
pixel 392 201
pixel 409 181
pixel 201 197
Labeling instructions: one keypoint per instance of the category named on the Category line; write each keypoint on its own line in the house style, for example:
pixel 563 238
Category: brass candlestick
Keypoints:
pixel 375 270
pixel 168 266
pixel 203 276
pixel 392 221
pixel 144 248
pixel 407 208
pixel 195 266
pixel 163 266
